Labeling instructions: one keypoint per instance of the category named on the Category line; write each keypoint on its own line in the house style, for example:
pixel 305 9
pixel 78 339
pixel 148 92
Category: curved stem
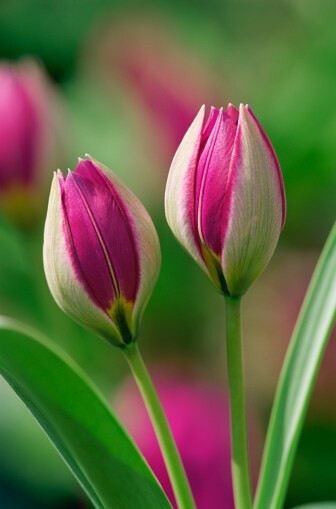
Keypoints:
pixel 239 456
pixel 165 438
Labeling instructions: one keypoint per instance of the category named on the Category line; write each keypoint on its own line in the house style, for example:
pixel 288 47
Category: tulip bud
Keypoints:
pixel 225 199
pixel 29 138
pixel 101 252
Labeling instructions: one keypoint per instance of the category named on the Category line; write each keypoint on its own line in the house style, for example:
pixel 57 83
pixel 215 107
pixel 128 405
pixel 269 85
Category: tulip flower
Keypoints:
pixel 29 137
pixel 101 258
pixel 101 251
pixel 225 199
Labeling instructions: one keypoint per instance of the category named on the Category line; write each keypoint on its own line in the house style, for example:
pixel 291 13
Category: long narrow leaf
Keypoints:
pixel 297 379
pixel 78 421
pixel 318 505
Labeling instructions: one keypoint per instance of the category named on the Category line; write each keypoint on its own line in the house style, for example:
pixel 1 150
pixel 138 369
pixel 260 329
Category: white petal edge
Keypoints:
pixel 177 192
pixel 255 211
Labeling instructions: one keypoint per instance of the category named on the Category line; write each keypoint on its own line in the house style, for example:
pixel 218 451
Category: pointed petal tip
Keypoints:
pixel 245 112
pixel 244 107
pixel 59 177
pixel 201 112
pixel 232 112
pixel 230 106
pixel 214 108
pixel 93 160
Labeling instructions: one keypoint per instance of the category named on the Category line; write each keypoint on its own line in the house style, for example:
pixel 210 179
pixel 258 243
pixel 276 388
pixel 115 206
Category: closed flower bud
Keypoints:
pixel 225 199
pixel 30 125
pixel 101 251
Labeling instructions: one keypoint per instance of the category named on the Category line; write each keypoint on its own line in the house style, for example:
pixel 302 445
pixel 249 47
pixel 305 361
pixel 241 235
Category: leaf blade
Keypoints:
pixel 318 505
pixel 297 377
pixel 78 421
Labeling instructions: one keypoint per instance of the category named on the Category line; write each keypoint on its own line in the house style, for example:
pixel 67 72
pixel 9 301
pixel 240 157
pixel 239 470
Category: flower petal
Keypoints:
pixel 276 163
pixel 145 239
pixel 212 173
pixel 82 202
pixel 18 130
pixel 180 190
pixel 116 228
pixel 63 282
pixel 254 206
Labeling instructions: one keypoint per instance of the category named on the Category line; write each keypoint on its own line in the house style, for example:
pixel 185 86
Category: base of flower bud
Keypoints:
pixel 121 315
pixel 214 267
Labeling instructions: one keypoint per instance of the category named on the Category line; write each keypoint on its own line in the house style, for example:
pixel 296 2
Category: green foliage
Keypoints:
pixel 78 421
pixel 320 505
pixel 297 379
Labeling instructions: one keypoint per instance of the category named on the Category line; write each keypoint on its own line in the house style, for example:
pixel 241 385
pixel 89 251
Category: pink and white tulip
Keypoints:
pixel 101 251
pixel 30 137
pixel 225 198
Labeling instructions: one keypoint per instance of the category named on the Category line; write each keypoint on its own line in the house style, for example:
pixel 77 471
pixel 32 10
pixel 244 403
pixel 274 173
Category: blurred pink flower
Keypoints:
pixel 168 81
pixel 29 136
pixel 200 421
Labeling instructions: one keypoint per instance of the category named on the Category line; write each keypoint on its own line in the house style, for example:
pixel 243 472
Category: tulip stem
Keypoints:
pixel 177 475
pixel 239 456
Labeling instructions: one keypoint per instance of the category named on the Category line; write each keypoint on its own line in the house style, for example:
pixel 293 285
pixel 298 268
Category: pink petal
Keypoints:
pixel 211 182
pixel 254 206
pixel 102 247
pixel 18 131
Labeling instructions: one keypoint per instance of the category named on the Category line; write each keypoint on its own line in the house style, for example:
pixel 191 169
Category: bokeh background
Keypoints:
pixel 122 81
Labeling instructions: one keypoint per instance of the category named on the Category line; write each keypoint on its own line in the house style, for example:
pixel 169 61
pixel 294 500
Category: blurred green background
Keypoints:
pixel 129 77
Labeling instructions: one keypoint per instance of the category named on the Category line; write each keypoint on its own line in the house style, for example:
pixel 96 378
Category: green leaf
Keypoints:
pixel 318 505
pixel 78 421
pixel 297 378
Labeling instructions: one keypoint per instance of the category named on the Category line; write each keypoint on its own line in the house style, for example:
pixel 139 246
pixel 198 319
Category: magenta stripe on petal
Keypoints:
pixel 210 124
pixel 236 155
pixel 120 240
pixel 84 248
pixel 101 247
pixel 89 170
pixel 207 178
pixel 233 113
pixel 276 164
pixel 213 168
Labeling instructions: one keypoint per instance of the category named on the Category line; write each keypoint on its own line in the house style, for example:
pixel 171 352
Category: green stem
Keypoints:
pixel 239 461
pixel 165 438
